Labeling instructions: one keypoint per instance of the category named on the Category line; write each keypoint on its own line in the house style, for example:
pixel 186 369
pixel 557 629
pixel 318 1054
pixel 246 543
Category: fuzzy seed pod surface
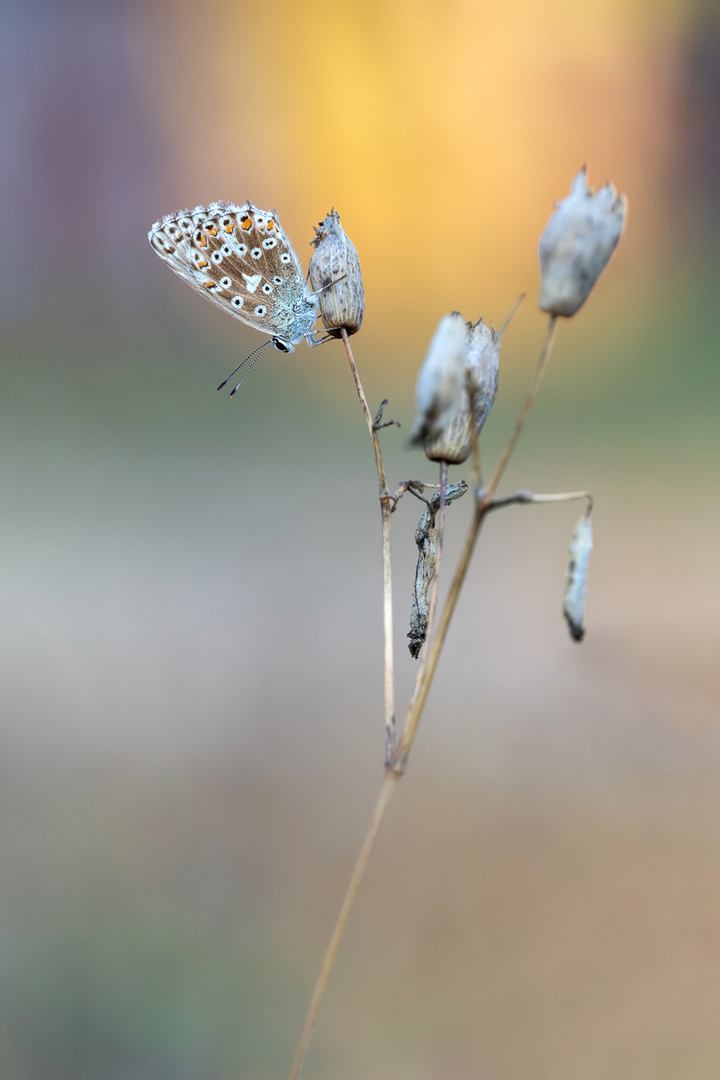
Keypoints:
pixel 576 245
pixel 336 278
pixel 576 584
pixel 482 361
pixel 441 381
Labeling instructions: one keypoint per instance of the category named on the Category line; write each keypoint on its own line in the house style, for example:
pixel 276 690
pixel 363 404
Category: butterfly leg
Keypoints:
pixel 313 341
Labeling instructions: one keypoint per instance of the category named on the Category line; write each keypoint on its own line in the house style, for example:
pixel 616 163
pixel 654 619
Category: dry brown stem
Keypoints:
pixel 397 755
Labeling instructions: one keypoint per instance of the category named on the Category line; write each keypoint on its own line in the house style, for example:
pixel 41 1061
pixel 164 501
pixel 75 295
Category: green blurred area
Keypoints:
pixel 190 750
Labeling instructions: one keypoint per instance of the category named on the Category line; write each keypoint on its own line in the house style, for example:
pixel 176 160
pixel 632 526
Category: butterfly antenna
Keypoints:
pixel 252 358
pixel 237 386
pixel 329 284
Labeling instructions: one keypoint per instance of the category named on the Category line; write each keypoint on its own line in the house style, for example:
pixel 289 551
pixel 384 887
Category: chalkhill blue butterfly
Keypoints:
pixel 240 259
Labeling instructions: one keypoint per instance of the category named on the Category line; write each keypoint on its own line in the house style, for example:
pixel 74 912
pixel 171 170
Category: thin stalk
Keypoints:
pixel 525 497
pixel 386 793
pixel 477 468
pixel 432 607
pixel 368 416
pixel 396 768
pixel 482 505
pixel 425 677
pixel 389 667
pixel 387 505
pixel 440 530
pixel 525 411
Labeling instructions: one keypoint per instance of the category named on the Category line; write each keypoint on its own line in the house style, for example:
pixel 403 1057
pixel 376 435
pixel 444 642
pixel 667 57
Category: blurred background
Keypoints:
pixel 192 658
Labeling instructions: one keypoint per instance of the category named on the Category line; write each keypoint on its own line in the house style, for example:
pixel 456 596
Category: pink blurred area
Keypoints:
pixel 192 677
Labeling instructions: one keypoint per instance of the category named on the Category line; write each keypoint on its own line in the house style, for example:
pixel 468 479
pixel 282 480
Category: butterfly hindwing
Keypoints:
pixel 240 258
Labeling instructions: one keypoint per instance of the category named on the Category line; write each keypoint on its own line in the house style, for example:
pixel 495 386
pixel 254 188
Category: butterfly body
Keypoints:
pixel 240 259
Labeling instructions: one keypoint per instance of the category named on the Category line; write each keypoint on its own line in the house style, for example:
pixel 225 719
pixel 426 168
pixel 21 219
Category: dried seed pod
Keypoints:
pixel 576 585
pixel 336 278
pixel 441 381
pixel 426 540
pixel 576 245
pixel 482 359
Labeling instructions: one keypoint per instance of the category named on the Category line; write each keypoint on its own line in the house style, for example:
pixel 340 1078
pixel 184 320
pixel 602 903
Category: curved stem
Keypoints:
pixel 387 505
pixel 525 411
pixel 386 793
pixel 368 415
pixel 399 757
pixel 425 677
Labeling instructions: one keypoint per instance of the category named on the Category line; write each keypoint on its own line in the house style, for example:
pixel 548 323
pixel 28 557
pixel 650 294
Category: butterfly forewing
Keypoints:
pixel 240 258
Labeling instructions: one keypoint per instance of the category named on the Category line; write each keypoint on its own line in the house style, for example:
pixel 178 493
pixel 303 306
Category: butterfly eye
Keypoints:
pixel 256 253
pixel 237 301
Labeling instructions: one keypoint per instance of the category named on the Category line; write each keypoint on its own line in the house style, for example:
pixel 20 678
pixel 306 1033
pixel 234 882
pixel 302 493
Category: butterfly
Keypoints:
pixel 240 259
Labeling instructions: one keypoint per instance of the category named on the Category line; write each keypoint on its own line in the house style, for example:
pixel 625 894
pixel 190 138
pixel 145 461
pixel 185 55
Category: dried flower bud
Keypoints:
pixel 441 382
pixel 482 358
pixel 576 245
pixel 336 278
pixel 574 607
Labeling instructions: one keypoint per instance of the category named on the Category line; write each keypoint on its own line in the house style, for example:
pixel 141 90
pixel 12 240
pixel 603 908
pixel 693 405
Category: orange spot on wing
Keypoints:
pixel 230 227
pixel 203 262
pixel 208 284
pixel 213 230
pixel 271 224
pixel 202 242
pixel 246 223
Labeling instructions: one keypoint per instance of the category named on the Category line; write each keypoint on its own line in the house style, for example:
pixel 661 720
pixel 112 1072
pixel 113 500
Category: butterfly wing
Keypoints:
pixel 240 258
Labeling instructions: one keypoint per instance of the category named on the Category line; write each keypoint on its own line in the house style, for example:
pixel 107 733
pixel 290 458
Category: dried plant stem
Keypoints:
pixel 525 497
pixel 483 504
pixel 387 505
pixel 477 468
pixel 525 411
pixel 425 676
pixel 440 529
pixel 389 675
pixel 366 411
pixel 392 774
pixel 432 607
pixel 396 762
pixel 386 793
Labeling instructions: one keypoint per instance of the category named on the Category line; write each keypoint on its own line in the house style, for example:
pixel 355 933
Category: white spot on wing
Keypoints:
pixel 252 281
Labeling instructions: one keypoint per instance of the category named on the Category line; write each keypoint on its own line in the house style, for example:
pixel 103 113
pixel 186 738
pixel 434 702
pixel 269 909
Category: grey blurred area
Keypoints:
pixel 192 662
